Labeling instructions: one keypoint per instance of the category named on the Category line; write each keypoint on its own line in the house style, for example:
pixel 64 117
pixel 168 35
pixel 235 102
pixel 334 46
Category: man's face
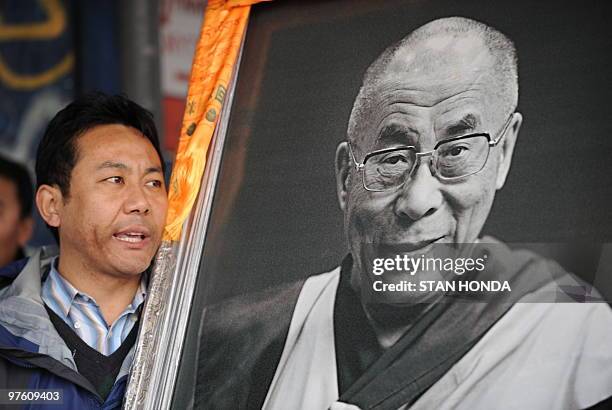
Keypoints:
pixel 14 230
pixel 112 221
pixel 441 91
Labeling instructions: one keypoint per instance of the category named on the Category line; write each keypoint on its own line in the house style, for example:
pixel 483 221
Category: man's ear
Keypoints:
pixel 49 201
pixel 26 227
pixel 507 149
pixel 343 169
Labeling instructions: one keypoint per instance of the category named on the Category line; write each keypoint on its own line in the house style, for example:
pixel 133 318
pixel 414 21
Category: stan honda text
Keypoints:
pixel 443 286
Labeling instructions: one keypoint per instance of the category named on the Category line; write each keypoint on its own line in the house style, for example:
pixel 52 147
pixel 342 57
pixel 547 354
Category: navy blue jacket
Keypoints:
pixel 32 354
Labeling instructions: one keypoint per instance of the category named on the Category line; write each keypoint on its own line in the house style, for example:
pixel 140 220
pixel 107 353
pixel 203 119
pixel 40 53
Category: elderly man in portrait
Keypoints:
pixel 429 142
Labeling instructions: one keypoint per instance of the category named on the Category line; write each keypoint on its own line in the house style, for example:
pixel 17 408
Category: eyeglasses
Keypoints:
pixel 450 160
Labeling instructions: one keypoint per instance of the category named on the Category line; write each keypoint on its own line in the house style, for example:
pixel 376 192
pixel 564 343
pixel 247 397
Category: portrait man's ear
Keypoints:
pixel 343 170
pixel 49 201
pixel 507 149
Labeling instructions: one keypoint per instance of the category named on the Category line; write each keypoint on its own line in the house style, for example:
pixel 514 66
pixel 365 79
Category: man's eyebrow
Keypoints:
pixel 395 133
pixel 112 164
pixel 120 165
pixel 152 170
pixel 465 124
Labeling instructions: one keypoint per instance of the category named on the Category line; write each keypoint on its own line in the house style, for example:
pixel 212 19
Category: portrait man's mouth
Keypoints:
pixel 410 248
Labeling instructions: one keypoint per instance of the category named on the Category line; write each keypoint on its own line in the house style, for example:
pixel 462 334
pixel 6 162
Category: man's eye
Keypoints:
pixel 156 183
pixel 115 180
pixel 394 159
pixel 455 151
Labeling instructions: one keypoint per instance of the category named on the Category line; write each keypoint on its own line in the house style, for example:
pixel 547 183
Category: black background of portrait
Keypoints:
pixel 275 215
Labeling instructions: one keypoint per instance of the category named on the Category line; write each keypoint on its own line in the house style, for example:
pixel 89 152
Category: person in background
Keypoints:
pixel 16 198
pixel 68 322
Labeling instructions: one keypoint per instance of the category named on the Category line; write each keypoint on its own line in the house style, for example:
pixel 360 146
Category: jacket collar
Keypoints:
pixel 23 315
pixel 22 312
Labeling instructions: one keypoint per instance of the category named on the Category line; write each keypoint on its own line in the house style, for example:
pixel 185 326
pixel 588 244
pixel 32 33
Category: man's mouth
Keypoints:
pixel 134 236
pixel 411 247
pixel 131 237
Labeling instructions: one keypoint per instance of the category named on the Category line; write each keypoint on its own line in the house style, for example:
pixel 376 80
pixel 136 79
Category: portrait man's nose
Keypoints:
pixel 420 196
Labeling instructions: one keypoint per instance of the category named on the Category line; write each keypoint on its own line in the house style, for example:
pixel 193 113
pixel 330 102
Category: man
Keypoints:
pixel 430 141
pixel 68 323
pixel 16 199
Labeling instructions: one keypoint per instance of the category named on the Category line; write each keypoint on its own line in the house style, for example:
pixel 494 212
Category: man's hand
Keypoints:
pixel 343 406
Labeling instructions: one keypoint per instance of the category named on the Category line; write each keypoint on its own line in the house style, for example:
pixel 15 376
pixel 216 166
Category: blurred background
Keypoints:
pixel 54 50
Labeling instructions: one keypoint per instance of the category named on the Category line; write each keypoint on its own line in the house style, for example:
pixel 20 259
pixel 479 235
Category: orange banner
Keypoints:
pixel 215 58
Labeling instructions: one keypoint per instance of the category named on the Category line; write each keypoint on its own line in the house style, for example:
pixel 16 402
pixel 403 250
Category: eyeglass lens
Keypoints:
pixel 451 160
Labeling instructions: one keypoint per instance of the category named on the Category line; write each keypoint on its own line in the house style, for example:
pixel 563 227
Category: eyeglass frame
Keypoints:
pixel 359 166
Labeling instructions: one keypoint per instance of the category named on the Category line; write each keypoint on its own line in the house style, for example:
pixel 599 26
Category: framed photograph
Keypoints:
pixel 347 129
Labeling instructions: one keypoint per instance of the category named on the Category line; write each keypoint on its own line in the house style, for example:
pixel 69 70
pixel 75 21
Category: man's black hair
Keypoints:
pixel 57 152
pixel 19 175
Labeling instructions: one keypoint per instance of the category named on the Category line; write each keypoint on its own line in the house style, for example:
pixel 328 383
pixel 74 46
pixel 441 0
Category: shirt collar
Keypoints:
pixel 62 291
pixel 65 294
pixel 140 295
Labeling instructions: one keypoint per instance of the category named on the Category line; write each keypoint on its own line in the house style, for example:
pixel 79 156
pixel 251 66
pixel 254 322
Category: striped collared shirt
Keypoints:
pixel 81 312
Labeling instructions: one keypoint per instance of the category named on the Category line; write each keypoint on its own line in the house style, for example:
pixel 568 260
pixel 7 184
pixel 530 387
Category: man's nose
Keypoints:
pixel 137 200
pixel 420 195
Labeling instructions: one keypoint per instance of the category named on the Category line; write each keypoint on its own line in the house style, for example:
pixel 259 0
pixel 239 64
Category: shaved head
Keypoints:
pixel 449 46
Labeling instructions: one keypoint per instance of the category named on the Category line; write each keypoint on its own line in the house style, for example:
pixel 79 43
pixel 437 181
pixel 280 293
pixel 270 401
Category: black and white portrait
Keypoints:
pixel 363 138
